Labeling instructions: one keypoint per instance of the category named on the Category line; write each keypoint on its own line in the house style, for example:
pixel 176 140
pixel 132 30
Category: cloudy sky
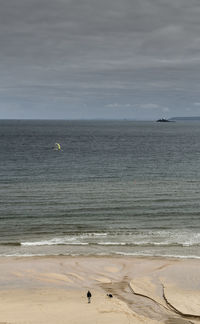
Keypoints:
pixel 75 59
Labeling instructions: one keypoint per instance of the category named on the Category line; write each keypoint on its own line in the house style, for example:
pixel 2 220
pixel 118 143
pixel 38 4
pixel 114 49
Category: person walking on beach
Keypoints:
pixel 89 295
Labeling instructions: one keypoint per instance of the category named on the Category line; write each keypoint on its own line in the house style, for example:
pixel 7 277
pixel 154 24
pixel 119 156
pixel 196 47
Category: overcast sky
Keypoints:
pixel 75 59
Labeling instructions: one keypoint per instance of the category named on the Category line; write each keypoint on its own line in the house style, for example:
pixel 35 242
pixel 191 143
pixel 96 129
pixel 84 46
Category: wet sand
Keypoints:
pixel 53 290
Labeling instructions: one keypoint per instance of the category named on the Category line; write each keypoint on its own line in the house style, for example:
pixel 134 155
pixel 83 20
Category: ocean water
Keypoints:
pixel 115 188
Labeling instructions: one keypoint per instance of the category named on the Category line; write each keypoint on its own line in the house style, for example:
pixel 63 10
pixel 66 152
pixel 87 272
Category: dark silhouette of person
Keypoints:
pixel 89 295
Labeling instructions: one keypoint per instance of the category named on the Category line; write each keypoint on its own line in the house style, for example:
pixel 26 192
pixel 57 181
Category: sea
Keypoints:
pixel 115 188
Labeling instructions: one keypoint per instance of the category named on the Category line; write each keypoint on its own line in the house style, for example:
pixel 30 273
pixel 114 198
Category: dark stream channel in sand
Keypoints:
pixel 144 305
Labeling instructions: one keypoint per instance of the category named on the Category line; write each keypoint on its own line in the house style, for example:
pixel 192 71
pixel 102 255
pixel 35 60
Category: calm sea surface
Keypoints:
pixel 130 188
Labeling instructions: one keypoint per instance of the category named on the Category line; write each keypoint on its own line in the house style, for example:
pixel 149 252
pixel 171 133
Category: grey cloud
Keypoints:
pixel 74 54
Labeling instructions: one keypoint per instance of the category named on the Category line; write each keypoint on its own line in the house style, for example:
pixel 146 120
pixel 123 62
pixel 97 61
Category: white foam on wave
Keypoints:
pixel 55 241
pixel 184 238
pixel 140 254
pixel 142 244
pixel 112 243
pixel 165 239
pixel 67 240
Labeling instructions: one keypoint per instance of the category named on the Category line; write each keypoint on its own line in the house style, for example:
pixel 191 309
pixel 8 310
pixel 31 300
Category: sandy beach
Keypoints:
pixel 53 290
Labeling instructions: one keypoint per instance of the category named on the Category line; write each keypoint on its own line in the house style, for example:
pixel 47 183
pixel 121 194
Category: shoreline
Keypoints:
pixel 114 255
pixel 148 289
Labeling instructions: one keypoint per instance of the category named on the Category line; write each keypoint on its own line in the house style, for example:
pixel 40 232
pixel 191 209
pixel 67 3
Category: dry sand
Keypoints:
pixel 52 290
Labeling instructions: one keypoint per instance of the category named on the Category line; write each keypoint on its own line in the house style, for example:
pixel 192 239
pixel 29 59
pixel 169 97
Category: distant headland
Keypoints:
pixel 173 119
pixel 191 118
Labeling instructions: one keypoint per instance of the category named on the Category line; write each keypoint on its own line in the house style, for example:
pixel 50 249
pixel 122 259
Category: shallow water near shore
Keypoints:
pixel 116 187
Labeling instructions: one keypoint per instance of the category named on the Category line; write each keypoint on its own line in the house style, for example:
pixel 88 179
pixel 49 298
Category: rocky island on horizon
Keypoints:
pixel 189 118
